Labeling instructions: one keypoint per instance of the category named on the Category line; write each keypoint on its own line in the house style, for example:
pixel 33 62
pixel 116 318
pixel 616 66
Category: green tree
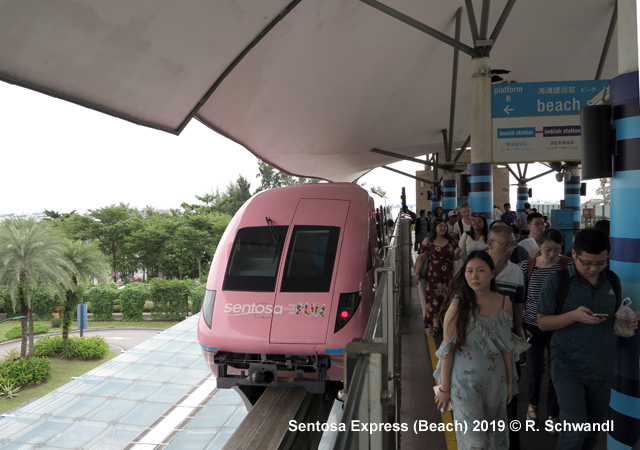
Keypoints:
pixel 270 177
pixel 227 202
pixel 86 261
pixel 56 215
pixel 32 255
pixel 111 228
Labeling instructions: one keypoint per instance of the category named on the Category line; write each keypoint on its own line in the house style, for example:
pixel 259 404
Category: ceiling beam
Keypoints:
pixel 409 158
pixel 420 26
pixel 454 86
pixel 473 25
pixel 409 175
pixel 607 41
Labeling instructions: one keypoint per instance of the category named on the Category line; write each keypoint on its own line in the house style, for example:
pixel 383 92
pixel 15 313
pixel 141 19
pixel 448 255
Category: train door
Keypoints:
pixel 304 296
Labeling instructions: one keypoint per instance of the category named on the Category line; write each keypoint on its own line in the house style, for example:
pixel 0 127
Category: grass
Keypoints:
pixel 6 326
pixel 61 372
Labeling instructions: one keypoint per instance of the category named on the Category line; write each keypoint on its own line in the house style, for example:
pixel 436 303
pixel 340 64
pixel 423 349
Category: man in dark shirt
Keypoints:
pixel 581 356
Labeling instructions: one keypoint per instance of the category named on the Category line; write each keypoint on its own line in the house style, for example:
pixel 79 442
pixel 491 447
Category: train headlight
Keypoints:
pixel 347 306
pixel 207 306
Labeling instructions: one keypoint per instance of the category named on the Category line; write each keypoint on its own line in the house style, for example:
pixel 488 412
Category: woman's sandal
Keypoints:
pixel 434 331
pixel 532 412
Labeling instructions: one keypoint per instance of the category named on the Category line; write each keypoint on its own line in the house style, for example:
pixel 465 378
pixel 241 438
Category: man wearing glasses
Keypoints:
pixel 581 356
pixel 535 223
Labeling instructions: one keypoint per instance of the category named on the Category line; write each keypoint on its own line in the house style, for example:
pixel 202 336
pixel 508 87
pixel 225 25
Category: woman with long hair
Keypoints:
pixel 476 368
pixel 535 271
pixel 441 251
pixel 476 237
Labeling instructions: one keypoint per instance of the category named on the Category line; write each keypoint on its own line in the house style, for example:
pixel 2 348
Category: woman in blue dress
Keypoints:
pixel 476 368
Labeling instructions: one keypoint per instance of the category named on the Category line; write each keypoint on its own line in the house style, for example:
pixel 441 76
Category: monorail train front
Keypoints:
pixel 289 286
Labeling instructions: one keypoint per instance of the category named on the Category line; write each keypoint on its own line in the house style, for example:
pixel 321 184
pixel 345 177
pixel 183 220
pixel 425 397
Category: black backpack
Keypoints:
pixel 563 288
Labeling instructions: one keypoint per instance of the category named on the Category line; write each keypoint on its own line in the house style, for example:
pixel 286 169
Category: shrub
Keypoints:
pixel 196 295
pixel 48 346
pixel 8 390
pixel 132 300
pixel 170 299
pixel 24 372
pixel 56 322
pixel 102 297
pixel 84 347
pixel 43 305
pixel 5 300
pixel 12 354
pixel 16 332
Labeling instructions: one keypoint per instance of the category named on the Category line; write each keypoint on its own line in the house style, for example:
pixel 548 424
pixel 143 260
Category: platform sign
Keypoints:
pixel 540 121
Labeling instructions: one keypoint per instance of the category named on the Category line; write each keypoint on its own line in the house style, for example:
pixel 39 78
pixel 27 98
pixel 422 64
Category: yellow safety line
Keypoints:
pixel 447 418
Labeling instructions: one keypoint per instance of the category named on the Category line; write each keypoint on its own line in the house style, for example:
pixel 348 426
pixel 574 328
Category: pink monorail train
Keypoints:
pixel 290 285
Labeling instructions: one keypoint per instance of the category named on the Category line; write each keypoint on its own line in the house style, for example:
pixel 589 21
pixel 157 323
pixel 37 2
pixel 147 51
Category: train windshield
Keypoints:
pixel 310 259
pixel 255 257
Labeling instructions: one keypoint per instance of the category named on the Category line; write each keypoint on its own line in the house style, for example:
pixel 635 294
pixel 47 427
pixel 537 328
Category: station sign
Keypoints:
pixel 540 121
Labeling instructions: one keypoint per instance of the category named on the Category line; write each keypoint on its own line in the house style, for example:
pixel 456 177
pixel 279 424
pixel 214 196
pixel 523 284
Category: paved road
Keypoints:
pixel 122 338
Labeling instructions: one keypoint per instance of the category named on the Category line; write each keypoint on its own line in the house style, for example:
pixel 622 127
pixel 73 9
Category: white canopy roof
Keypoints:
pixel 310 86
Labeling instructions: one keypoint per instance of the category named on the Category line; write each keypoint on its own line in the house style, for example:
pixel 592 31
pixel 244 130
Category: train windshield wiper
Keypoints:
pixel 276 239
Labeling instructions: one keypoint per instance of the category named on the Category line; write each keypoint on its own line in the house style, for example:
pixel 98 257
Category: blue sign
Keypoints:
pixel 555 98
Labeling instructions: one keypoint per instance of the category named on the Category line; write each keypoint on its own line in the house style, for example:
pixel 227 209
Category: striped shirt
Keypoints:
pixel 510 283
pixel 539 274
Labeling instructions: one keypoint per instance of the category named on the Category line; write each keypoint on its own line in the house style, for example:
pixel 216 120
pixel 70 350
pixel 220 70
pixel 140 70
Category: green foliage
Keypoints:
pixel 24 372
pixel 12 354
pixel 132 299
pixel 270 177
pixel 16 332
pixel 101 297
pixel 170 299
pixel 227 202
pixel 32 256
pixel 8 390
pixel 196 295
pixel 43 304
pixel 85 347
pixel 56 322
pixel 76 348
pixel 49 345
pixel 7 304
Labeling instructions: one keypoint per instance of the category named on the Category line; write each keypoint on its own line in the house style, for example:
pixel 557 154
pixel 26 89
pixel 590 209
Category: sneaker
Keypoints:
pixel 554 421
pixel 532 413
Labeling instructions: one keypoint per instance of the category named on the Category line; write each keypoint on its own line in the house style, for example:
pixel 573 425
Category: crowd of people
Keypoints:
pixel 504 296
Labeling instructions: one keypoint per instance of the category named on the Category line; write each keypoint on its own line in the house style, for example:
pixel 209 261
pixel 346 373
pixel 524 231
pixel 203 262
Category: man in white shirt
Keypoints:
pixel 464 211
pixel 535 223
pixel 522 219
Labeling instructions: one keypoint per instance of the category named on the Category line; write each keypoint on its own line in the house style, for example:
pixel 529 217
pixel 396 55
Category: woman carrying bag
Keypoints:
pixel 438 252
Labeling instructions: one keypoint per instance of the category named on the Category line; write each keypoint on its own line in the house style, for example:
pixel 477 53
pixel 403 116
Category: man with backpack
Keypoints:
pixel 578 304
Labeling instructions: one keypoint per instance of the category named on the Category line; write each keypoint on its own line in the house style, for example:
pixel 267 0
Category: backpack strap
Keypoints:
pixel 614 280
pixel 562 290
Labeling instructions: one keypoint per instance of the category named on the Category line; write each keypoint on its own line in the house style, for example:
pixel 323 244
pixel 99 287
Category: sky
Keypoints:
pixel 59 156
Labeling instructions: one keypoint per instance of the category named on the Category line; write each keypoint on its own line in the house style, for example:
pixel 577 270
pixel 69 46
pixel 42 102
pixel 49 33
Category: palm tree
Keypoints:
pixel 86 261
pixel 31 255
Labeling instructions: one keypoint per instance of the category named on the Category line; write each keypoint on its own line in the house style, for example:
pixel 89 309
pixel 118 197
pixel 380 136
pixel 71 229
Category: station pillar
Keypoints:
pixel 572 201
pixel 481 168
pixel 449 191
pixel 624 408
pixel 523 197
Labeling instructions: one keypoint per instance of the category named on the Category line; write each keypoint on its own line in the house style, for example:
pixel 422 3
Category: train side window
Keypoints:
pixel 255 257
pixel 310 259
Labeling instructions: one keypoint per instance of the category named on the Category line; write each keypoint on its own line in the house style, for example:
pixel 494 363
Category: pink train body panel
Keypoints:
pixel 290 285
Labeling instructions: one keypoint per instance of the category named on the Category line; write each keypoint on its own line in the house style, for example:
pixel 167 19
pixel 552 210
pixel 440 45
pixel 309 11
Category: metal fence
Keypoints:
pixel 372 364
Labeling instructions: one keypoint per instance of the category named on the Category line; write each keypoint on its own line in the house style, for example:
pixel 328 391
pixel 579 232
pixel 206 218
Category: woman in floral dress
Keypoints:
pixel 441 250
pixel 476 368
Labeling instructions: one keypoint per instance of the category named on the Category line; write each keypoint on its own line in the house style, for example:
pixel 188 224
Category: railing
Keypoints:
pixel 372 364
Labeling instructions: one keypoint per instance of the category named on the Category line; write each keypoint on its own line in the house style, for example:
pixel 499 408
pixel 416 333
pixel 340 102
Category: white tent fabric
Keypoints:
pixel 310 86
